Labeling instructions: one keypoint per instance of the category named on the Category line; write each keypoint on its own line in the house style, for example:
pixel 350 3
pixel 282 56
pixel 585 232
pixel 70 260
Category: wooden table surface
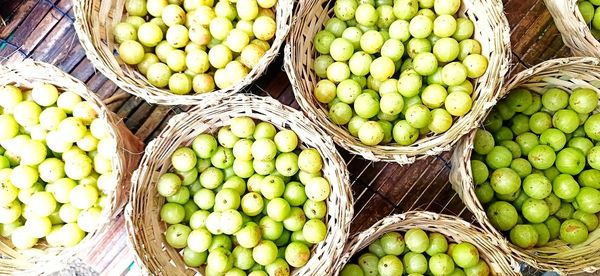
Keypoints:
pixel 43 30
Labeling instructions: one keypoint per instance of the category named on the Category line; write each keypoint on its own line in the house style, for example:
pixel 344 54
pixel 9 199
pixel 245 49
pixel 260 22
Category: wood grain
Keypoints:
pixel 42 30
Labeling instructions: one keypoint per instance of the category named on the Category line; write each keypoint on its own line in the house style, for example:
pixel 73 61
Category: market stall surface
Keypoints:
pixel 43 30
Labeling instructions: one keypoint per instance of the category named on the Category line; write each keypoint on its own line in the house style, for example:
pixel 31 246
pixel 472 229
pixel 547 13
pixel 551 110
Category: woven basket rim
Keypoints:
pixel 181 129
pixel 99 49
pixel 556 256
pixel 575 33
pixel 46 260
pixel 299 69
pixel 452 227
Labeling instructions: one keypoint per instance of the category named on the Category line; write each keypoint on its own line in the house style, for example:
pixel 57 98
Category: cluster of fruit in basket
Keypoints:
pixel 195 45
pixel 55 166
pixel 393 70
pixel 417 253
pixel 536 164
pixel 246 201
pixel 591 15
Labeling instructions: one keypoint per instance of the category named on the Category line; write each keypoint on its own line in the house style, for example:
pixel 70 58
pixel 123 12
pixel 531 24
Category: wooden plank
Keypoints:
pixel 370 208
pixel 287 97
pixel 118 99
pixel 379 188
pixel 518 65
pixel 83 70
pixel 129 105
pixel 564 52
pixel 135 120
pixel 275 89
pixel 527 32
pixel 68 55
pixel 419 200
pixel 48 24
pixel 24 31
pixel 107 89
pixel 357 167
pixel 96 81
pixel 357 188
pixel 274 72
pixel 162 125
pixel 153 121
pixel 555 50
pixel 458 208
pixel 548 43
pixel 405 185
pixel 14 14
pixel 517 10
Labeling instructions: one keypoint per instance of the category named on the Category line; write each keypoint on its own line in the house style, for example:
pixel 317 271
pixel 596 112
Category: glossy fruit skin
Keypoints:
pixel 481 268
pixel 502 215
pixel 390 265
pixel 271 219
pixel 480 172
pixel 524 236
pixel 537 186
pixel 588 200
pixel 368 262
pixel 535 210
pixel 351 270
pixel 465 255
pixel 556 177
pixel 570 161
pixel 441 264
pixel 393 243
pixel 48 178
pixel 565 187
pixel 590 220
pixel 371 47
pixel 573 231
pixel 505 181
pixel 499 157
pixel 415 262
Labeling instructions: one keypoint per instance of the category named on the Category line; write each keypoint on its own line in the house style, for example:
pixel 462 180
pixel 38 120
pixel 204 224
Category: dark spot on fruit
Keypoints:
pixel 572 228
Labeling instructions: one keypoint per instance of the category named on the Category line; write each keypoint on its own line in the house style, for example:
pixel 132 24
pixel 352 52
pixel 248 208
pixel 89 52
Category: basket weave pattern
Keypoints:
pixel 94 24
pixel 567 74
pixel 127 154
pixel 146 230
pixel 491 30
pixel 454 228
pixel 574 31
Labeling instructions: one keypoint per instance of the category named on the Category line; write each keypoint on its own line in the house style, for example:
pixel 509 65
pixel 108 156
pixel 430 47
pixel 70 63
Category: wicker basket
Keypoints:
pixel 574 31
pixel 567 73
pixel 454 228
pixel 492 31
pixel 146 230
pixel 43 259
pixel 94 24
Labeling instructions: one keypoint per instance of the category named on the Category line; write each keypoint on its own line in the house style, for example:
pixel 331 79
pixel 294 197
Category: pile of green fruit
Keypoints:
pixel 195 44
pixel 591 15
pixel 55 166
pixel 248 201
pixel 394 71
pixel 536 164
pixel 417 253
